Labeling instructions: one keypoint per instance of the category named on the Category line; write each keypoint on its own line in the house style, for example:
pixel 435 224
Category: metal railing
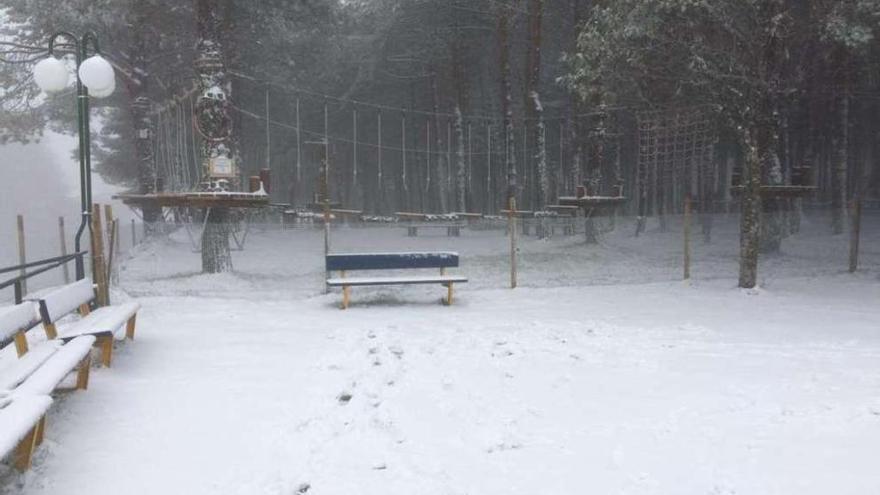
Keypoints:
pixel 42 266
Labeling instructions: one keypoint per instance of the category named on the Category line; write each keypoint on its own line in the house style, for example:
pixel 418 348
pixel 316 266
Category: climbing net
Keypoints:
pixel 676 158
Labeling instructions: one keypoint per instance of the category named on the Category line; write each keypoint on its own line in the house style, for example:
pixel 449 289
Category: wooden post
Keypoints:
pixel 325 186
pixel 108 223
pixel 687 237
pixel 63 239
pixel 22 255
pixel 133 234
pixel 511 228
pixel 113 241
pixel 98 265
pixel 855 233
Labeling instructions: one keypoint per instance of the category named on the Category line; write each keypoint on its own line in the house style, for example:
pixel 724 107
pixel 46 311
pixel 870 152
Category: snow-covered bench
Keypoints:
pixel 392 261
pixel 104 324
pixel 27 381
pixel 21 427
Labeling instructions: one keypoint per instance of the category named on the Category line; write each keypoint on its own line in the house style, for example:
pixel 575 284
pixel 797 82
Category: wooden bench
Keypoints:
pixel 104 324
pixel 27 381
pixel 344 263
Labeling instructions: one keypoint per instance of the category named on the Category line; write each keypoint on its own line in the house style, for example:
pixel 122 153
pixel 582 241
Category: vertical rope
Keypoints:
pixel 195 149
pixel 560 170
pixel 327 149
pixel 403 146
pixel 428 155
pixel 379 162
pixel 298 145
pixel 488 168
pixel 470 158
pixel 268 134
pixel 354 155
pixel 449 159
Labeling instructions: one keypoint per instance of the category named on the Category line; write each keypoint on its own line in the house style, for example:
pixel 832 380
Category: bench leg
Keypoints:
pixel 106 351
pixel 84 309
pixel 51 331
pixel 449 294
pixel 82 373
pixel 25 449
pixel 346 295
pixel 21 345
pixel 41 428
pixel 129 327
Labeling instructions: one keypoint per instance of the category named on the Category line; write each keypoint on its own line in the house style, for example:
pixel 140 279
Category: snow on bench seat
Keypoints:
pixel 14 319
pixel 107 321
pixel 19 370
pixel 368 281
pixel 65 299
pixel 17 421
pixel 44 380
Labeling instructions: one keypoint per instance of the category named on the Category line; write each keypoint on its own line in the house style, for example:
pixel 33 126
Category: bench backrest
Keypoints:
pixel 65 299
pixel 15 319
pixel 391 261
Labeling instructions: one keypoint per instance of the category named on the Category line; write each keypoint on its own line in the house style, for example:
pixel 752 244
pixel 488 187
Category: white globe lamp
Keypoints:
pixel 51 75
pixel 97 74
pixel 103 93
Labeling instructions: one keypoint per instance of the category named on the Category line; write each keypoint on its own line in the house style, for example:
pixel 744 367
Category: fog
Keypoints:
pixel 41 182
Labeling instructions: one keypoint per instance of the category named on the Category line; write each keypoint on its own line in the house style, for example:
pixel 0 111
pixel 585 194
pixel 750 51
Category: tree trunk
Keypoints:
pixel 507 101
pixel 140 107
pixel 839 178
pixel 750 219
pixel 216 257
pixel 219 156
pixel 534 108
pixel 460 166
pixel 439 191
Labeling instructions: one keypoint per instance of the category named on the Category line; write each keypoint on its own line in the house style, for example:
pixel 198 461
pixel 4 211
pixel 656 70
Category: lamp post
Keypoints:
pixel 93 74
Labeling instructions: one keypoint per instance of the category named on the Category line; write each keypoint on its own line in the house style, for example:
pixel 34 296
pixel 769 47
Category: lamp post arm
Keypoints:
pixel 84 140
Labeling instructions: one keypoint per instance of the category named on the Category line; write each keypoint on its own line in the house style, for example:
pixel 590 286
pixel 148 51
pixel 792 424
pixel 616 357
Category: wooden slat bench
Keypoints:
pixel 344 263
pixel 27 381
pixel 105 324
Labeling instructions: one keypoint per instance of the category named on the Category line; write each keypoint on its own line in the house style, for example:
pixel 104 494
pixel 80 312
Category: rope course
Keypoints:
pixel 367 158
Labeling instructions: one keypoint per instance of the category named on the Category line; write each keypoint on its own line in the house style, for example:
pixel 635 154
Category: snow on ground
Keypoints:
pixel 603 374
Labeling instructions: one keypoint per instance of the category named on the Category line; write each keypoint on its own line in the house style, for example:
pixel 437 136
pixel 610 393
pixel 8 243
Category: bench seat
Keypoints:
pixel 44 380
pixel 370 281
pixel 21 423
pixel 108 321
pixel 19 370
pixel 14 319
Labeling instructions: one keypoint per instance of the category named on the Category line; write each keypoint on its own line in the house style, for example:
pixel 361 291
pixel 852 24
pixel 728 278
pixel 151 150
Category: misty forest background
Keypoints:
pixel 443 106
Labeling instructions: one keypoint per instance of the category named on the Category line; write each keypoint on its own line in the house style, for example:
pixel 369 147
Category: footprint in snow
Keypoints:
pixel 344 398
pixel 303 488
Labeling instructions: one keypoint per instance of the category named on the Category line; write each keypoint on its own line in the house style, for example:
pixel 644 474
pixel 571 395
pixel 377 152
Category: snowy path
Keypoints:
pixel 655 388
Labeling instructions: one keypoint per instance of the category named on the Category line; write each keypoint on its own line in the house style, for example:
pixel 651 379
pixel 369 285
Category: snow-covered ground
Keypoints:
pixel 603 373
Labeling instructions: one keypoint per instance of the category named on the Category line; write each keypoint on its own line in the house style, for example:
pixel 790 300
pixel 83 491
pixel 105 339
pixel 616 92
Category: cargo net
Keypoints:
pixel 676 161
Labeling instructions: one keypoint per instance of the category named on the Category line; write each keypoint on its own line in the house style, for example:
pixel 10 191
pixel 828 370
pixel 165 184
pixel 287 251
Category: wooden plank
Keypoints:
pixel 367 282
pixel 99 266
pixel 63 240
pixel 22 255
